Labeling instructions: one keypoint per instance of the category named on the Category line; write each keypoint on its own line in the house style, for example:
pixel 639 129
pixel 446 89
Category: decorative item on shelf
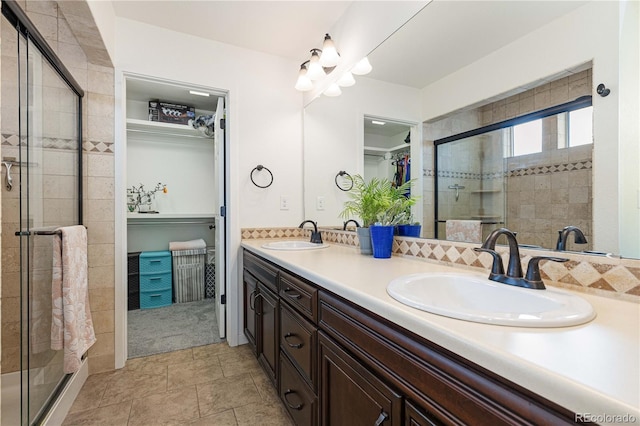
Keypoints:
pixel 376 202
pixel 344 181
pixel 259 168
pixel 141 200
pixel 204 123
pixel 322 63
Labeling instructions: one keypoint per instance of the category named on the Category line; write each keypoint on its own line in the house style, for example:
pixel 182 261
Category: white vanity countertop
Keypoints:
pixel 591 368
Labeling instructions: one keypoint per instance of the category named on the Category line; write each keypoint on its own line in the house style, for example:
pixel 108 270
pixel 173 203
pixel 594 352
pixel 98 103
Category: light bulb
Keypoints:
pixel 329 57
pixel 346 80
pixel 304 83
pixel 333 90
pixel 363 67
pixel 315 69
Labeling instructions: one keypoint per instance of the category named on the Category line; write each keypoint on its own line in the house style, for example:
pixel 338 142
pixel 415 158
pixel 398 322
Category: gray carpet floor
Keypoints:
pixel 171 328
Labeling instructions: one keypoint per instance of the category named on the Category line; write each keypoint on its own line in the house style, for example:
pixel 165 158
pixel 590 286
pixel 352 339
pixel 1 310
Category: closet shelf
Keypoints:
pixel 155 127
pixel 162 219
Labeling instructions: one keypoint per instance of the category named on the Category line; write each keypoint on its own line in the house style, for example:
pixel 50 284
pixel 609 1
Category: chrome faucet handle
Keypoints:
pixel 532 277
pixel 496 268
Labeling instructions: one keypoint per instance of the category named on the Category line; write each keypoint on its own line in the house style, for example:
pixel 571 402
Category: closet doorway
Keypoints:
pixel 175 224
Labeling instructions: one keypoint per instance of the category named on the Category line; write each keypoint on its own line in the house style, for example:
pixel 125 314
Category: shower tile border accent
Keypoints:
pixel 585 164
pixel 600 275
pixel 58 143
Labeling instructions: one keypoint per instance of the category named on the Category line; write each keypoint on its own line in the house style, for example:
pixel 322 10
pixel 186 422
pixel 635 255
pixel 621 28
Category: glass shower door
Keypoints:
pixel 49 198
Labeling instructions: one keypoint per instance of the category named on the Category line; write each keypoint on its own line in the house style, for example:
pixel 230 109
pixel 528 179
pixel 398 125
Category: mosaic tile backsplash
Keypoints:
pixel 600 275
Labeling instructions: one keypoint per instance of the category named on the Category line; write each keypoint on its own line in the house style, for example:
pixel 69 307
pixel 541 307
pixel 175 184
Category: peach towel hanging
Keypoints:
pixel 71 324
pixel 468 231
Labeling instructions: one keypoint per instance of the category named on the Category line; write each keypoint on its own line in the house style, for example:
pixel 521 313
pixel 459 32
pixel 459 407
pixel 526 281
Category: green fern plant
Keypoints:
pixel 377 201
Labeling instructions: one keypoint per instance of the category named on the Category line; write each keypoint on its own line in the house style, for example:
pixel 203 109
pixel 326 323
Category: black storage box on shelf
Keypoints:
pixel 167 112
pixel 133 281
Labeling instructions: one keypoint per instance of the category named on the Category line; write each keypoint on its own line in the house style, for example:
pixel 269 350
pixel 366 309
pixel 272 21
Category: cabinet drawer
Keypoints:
pixel 298 398
pixel 267 274
pixel 155 299
pixel 298 340
pixel 300 294
pixel 155 262
pixel 153 282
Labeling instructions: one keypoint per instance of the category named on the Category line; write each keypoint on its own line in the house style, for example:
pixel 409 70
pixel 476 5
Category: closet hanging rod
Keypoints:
pixel 163 133
pixel 172 222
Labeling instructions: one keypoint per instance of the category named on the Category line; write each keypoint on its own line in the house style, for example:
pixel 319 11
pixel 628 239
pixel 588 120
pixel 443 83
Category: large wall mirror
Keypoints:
pixel 437 77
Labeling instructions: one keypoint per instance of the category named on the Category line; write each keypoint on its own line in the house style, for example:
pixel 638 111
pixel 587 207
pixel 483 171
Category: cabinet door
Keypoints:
pixel 267 307
pixel 416 417
pixel 250 290
pixel 350 394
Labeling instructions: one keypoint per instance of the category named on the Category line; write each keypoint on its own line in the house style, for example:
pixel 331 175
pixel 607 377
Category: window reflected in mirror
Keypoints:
pixel 530 173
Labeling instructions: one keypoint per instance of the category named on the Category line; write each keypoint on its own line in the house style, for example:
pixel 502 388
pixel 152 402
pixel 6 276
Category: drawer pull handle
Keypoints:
pixel 292 295
pixel 252 300
pixel 155 278
pixel 292 345
pixel 155 261
pixel 293 407
pixel 381 418
pixel 155 295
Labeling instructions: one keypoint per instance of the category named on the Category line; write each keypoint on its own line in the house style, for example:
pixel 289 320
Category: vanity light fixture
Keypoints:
pixel 330 56
pixel 346 80
pixel 315 71
pixel 304 83
pixel 324 61
pixel 333 90
pixel 194 92
pixel 380 123
pixel 363 67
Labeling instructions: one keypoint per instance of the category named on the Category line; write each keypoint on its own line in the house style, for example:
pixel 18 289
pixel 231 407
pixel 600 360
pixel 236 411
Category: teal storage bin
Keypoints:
pixel 155 279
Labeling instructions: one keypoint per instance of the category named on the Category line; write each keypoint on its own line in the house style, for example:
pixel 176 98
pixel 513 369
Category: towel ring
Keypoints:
pixel 346 182
pixel 260 167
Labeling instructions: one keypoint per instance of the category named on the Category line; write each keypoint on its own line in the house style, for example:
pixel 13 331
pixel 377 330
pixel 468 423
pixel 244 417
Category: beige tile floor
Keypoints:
pixel 207 385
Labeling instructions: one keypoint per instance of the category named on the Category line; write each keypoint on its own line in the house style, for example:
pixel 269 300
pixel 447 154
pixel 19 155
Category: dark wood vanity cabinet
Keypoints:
pixel 340 364
pixel 261 310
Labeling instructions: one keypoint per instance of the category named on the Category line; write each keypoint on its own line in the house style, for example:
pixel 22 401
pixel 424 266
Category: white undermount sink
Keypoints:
pixel 475 298
pixel 293 245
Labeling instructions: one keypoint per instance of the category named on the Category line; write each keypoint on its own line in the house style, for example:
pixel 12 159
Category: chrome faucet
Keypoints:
pixel 315 234
pixel 563 235
pixel 514 277
pixel 344 225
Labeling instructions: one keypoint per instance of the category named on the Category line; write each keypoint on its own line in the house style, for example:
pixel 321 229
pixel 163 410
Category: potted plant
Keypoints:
pixel 407 227
pixel 376 201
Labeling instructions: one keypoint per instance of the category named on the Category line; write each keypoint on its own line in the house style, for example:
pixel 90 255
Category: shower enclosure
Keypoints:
pixel 41 190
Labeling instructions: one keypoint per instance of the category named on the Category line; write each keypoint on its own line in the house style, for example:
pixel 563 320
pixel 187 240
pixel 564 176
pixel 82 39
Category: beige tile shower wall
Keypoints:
pixel 600 275
pixel 549 190
pixel 90 65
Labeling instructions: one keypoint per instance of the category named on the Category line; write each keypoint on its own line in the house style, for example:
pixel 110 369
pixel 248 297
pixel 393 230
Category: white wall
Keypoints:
pixel 334 135
pixel 590 33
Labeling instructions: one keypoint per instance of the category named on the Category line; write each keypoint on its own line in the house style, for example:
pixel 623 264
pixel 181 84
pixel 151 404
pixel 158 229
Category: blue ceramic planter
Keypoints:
pixel 409 230
pixel 381 240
